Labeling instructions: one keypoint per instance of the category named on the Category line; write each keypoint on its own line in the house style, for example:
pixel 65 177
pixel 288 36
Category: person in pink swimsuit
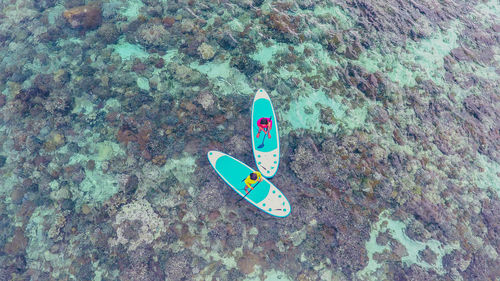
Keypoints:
pixel 265 125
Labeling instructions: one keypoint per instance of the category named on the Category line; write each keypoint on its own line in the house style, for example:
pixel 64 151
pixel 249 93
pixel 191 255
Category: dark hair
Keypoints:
pixel 253 176
pixel 263 121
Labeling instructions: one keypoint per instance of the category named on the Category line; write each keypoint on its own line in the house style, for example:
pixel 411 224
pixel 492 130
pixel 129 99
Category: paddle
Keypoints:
pixel 248 192
pixel 262 144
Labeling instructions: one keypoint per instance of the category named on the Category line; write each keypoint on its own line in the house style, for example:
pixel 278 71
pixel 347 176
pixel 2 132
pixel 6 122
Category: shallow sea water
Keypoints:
pixel 389 122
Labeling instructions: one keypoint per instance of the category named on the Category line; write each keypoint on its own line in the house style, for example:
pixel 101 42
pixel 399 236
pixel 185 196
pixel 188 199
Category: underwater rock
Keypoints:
pixel 142 264
pixel 462 54
pixel 61 77
pixel 285 24
pixel 227 42
pixel 184 74
pixel 482 124
pixel 3 159
pixel 139 67
pixel 159 160
pixel 34 144
pixel 153 36
pixel 59 103
pixel 417 273
pixel 56 229
pixel 29 99
pixel 72 173
pixel 42 5
pixel 191 45
pixel 60 194
pixel 335 41
pixel 428 255
pixel 383 238
pixel 327 116
pixel 44 82
pixel 151 225
pixel 131 229
pixel 73 3
pixel 373 86
pixel 218 233
pixel 3 100
pixel 29 185
pixel 18 243
pixel 416 231
pixel 15 73
pixel 481 268
pixel 85 272
pixel 206 100
pixel 17 195
pixel 108 33
pixel 55 141
pixel 168 21
pixel 246 65
pixel 308 166
pixel 178 267
pixel 90 165
pixel 84 17
pixel 87 71
pixel 206 51
pixel 131 185
pixel 209 197
pixel 491 214
pixel 159 62
pixel 237 145
pixel 67 204
pixel 187 26
pixel 479 108
pixel 247 263
pixel 354 51
pixel 234 240
pixel 86 209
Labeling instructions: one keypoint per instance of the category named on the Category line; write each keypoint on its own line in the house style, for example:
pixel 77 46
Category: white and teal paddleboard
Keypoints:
pixel 266 151
pixel 264 196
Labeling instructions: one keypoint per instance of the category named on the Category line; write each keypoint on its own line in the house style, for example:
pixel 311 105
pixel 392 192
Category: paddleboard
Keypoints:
pixel 266 151
pixel 264 196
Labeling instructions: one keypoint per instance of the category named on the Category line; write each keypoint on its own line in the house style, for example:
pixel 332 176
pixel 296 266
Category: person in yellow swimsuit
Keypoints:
pixel 251 179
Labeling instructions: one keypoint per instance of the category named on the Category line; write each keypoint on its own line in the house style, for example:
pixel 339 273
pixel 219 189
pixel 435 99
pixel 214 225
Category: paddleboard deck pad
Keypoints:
pixel 266 151
pixel 264 196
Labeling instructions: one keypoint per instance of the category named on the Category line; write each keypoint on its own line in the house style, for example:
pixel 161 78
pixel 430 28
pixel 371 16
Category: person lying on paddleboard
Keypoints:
pixel 251 179
pixel 265 125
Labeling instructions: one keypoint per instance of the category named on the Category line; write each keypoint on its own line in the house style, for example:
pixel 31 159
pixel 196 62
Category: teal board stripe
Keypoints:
pixel 234 172
pixel 263 108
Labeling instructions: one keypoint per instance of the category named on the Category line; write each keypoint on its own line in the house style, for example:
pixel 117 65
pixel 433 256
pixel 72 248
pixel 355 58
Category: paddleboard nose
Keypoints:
pixel 261 94
pixel 213 156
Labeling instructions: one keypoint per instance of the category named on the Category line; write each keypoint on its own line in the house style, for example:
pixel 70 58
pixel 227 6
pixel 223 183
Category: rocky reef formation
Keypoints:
pixel 389 121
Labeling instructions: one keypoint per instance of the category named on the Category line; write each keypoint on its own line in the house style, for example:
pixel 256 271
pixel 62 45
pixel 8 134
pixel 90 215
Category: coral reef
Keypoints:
pixel 152 35
pixel 85 17
pixel 136 224
pixel 108 33
pixel 206 51
pixel 389 127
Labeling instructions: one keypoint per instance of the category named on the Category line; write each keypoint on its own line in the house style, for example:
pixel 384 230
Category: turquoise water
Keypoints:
pixel 389 128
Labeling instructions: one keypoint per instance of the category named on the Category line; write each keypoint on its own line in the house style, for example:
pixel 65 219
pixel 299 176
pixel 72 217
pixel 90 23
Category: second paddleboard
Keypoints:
pixel 266 151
